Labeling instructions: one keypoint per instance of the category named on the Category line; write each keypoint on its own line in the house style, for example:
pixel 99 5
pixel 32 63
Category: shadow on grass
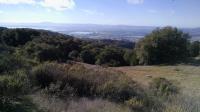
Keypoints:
pixel 19 105
pixel 193 61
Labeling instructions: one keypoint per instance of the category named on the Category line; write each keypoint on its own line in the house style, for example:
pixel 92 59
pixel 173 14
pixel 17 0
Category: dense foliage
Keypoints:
pixel 43 46
pixel 163 46
pixel 194 48
pixel 168 45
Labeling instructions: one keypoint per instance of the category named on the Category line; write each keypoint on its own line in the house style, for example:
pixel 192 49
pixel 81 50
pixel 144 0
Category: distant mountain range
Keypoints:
pixel 116 32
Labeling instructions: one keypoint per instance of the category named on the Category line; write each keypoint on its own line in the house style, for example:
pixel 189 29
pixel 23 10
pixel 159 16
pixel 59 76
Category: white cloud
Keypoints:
pixel 17 1
pixel 53 4
pixel 135 1
pixel 58 4
pixel 1 12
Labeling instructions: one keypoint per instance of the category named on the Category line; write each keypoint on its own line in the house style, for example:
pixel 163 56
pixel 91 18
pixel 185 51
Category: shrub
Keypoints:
pixel 103 83
pixel 85 82
pixel 163 87
pixel 134 103
pixel 73 55
pixel 9 62
pixel 45 74
pixel 118 90
pixel 14 85
pixel 61 92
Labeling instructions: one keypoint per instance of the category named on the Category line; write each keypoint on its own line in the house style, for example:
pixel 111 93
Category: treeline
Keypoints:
pixel 41 46
pixel 163 46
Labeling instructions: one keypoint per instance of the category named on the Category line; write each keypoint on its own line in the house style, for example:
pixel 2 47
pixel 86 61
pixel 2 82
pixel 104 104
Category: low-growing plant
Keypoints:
pixel 135 103
pixel 9 62
pixel 14 85
pixel 118 90
pixel 56 90
pixel 52 104
pixel 163 87
pixel 182 103
pixel 45 74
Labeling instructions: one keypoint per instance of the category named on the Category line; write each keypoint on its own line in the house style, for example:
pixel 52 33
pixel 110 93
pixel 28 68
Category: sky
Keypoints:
pixel 179 13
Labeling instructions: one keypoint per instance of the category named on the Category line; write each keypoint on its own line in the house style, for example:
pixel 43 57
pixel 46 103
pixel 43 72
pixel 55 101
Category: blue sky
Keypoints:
pixel 179 13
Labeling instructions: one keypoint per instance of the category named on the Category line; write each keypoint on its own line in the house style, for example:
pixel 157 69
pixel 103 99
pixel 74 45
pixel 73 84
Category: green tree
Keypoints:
pixel 16 37
pixel 73 55
pixel 194 48
pixel 130 58
pixel 163 46
pixel 87 57
pixel 111 57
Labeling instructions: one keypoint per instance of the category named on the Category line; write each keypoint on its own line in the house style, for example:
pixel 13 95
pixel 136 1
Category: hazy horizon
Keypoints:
pixel 5 24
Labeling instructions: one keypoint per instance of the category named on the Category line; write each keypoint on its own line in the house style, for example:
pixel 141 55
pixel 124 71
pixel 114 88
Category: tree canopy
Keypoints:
pixel 163 46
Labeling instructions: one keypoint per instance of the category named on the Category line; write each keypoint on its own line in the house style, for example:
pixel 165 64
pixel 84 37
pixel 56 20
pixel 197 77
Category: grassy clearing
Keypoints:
pixel 187 77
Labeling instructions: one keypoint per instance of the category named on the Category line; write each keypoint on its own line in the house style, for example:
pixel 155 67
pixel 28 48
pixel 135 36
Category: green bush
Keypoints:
pixel 14 85
pixel 73 55
pixel 9 62
pixel 118 90
pixel 45 74
pixel 163 87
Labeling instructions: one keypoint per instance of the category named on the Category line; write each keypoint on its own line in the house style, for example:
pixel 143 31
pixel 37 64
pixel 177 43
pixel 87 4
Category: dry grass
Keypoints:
pixel 52 104
pixel 187 77
pixel 183 104
pixel 92 82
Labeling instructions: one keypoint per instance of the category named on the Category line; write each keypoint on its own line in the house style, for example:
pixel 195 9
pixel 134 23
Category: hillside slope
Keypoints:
pixel 186 76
